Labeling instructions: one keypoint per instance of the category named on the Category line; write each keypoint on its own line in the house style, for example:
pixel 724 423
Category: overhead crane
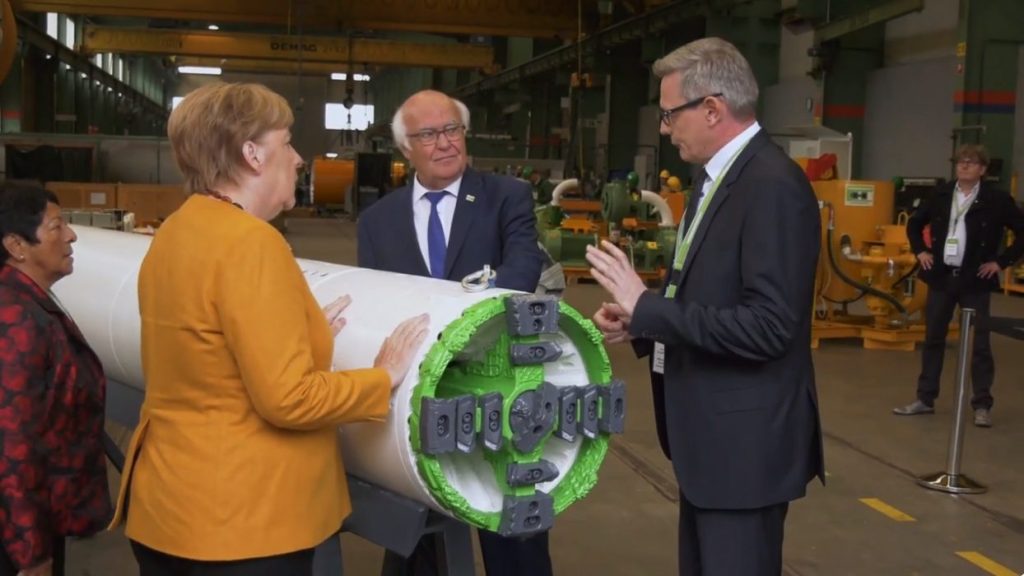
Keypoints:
pixel 530 18
pixel 335 49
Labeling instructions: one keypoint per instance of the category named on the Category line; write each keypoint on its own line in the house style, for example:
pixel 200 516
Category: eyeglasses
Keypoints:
pixel 666 115
pixel 968 162
pixel 428 137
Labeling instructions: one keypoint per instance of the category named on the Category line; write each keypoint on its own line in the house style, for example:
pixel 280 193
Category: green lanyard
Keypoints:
pixel 683 242
pixel 961 209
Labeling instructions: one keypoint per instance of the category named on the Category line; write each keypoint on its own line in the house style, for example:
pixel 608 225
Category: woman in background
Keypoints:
pixel 53 477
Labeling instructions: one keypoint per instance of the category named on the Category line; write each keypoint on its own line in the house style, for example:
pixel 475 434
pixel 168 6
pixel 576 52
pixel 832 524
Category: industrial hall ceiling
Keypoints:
pixel 276 36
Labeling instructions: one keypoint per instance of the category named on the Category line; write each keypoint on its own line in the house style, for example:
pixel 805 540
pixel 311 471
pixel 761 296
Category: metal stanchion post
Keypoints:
pixel 952 480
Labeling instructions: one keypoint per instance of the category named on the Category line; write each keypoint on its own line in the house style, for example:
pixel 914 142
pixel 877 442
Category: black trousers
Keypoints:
pixel 937 315
pixel 502 556
pixel 154 563
pixel 730 542
pixel 7 567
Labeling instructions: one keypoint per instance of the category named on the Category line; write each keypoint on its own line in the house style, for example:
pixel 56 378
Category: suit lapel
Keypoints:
pixel 980 203
pixel 406 233
pixel 465 212
pixel 31 291
pixel 755 144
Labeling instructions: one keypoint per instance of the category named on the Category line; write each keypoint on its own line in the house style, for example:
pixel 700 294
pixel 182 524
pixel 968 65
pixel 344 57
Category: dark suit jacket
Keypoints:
pixel 992 213
pixel 52 401
pixel 494 224
pixel 738 406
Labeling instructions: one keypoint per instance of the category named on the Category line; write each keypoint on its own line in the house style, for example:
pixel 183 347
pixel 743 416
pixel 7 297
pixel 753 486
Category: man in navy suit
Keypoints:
pixel 729 335
pixel 451 222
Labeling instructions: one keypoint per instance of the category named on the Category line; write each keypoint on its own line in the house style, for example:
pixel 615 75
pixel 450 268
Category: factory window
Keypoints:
pixel 337 117
pixel 52 25
pixel 98 60
pixel 175 101
pixel 120 68
pixel 69 37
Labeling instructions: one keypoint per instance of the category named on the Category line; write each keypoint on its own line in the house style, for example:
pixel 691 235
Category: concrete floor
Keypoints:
pixel 627 526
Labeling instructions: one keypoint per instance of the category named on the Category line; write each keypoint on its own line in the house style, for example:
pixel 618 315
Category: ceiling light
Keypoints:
pixel 213 27
pixel 331 155
pixel 206 70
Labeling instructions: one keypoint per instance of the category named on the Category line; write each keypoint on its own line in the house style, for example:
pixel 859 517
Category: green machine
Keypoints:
pixel 628 216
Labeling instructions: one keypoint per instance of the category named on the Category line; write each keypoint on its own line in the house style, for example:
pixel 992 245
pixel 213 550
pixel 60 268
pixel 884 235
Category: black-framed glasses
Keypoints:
pixel 666 115
pixel 968 161
pixel 428 136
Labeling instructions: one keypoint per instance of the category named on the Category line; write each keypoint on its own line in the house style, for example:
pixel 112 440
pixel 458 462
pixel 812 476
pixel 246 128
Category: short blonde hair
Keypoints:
pixel 209 127
pixel 975 152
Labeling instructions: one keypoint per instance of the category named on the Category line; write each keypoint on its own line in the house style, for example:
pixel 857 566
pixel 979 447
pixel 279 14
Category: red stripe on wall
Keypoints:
pixel 11 114
pixel 844 111
pixel 985 97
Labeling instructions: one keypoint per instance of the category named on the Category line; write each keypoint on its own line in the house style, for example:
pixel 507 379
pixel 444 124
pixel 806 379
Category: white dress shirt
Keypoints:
pixel 421 213
pixel 718 162
pixel 958 209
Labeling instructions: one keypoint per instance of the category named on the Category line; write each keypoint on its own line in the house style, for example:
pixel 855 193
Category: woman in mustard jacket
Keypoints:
pixel 234 468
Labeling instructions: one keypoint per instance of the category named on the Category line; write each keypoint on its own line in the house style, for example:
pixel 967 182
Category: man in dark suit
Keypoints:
pixel 729 335
pixel 451 222
pixel 962 266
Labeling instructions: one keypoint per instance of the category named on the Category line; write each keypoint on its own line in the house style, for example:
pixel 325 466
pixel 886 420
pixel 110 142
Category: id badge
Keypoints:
pixel 658 364
pixel 952 247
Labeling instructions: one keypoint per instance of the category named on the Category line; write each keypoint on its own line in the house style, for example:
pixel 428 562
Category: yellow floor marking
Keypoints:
pixel 986 564
pixel 892 513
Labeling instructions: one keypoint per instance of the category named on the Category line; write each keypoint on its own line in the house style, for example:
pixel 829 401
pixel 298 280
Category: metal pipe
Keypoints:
pixel 661 206
pixel 956 437
pixel 902 259
pixel 556 194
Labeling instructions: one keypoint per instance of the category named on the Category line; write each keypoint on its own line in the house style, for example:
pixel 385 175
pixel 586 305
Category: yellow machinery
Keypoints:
pixel 1013 277
pixel 866 285
pixel 673 194
pixel 331 180
pixel 398 173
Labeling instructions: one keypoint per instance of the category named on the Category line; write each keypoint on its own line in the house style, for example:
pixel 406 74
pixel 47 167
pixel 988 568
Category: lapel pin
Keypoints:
pixel 470 198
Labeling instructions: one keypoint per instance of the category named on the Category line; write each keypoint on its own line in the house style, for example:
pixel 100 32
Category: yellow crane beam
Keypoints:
pixel 97 39
pixel 532 18
pixel 257 66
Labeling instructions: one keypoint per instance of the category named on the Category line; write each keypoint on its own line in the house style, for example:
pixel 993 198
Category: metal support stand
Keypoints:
pixel 389 520
pixel 952 480
pixel 397 524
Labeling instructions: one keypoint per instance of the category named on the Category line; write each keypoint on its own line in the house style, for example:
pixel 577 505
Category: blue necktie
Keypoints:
pixel 436 246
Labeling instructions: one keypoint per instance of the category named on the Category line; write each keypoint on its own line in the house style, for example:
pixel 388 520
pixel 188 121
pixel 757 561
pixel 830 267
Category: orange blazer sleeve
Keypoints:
pixel 271 321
